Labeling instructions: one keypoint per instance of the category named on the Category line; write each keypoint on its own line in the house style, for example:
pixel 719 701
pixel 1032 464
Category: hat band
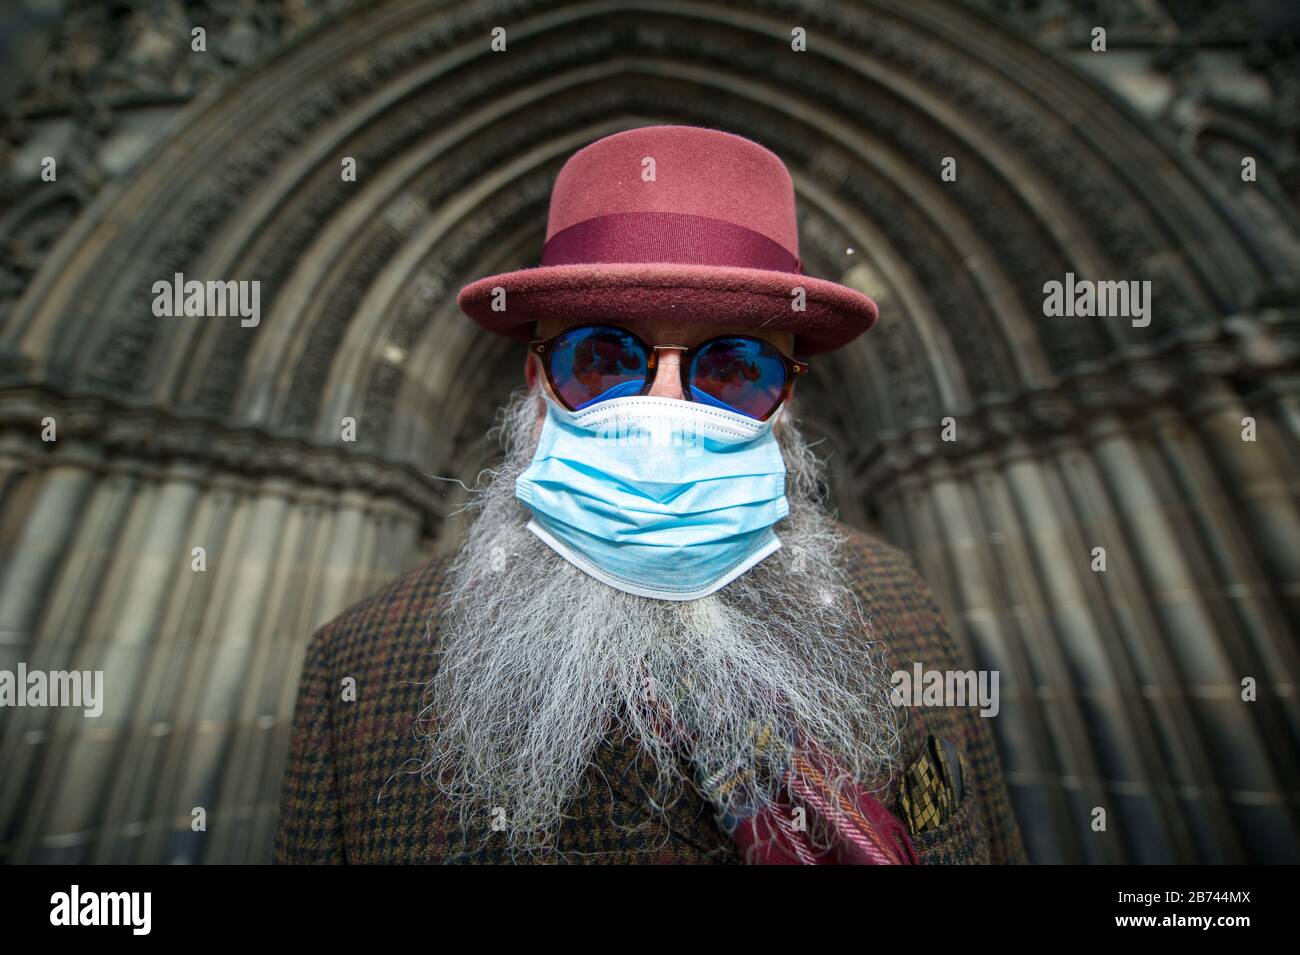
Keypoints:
pixel 679 237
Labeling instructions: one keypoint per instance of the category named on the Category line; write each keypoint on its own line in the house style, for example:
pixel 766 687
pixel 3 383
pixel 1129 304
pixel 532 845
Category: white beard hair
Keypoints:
pixel 538 663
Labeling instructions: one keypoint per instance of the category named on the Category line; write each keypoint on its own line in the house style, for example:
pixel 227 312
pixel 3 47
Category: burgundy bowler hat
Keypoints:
pixel 711 238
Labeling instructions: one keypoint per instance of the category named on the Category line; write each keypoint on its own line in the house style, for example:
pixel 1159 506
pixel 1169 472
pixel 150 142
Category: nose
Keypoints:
pixel 668 374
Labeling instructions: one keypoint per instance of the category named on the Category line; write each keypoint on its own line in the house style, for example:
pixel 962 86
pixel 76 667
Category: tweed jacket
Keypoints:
pixel 352 791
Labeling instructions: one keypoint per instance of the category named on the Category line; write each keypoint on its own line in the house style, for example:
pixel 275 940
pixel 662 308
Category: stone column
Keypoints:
pixel 1264 494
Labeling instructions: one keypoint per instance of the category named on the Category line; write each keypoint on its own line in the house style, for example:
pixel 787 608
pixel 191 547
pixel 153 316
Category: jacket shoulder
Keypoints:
pixel 403 607
pixel 902 614
pixel 890 564
pixel 341 753
pixel 898 601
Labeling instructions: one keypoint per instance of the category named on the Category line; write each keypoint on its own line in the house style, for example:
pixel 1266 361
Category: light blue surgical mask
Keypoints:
pixel 656 496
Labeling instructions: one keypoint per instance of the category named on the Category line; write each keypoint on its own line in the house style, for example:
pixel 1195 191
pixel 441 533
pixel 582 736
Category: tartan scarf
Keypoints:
pixel 819 816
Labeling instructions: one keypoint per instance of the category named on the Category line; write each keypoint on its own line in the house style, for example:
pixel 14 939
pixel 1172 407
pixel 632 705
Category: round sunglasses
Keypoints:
pixel 586 364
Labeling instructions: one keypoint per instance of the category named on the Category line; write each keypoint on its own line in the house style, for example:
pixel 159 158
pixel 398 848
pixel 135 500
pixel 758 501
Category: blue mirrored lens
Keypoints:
pixel 597 363
pixel 739 374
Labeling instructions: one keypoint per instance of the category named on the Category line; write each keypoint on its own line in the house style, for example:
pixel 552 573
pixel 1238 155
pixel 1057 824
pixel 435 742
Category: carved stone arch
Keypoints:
pixel 1221 139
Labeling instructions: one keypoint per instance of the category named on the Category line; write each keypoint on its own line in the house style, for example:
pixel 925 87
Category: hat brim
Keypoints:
pixel 833 316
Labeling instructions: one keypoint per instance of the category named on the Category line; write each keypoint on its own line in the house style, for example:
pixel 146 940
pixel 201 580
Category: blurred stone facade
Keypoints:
pixel 1120 690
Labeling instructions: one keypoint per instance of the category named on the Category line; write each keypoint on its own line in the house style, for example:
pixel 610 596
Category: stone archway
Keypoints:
pixel 1120 690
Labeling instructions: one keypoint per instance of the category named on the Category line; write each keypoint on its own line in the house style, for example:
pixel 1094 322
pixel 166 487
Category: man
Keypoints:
pixel 655 644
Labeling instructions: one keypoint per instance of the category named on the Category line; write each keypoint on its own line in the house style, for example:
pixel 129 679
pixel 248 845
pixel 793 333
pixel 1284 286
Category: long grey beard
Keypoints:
pixel 539 663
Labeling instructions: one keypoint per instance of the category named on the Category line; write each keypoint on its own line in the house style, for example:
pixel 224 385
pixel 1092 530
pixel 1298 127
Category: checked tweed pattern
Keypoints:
pixel 352 790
